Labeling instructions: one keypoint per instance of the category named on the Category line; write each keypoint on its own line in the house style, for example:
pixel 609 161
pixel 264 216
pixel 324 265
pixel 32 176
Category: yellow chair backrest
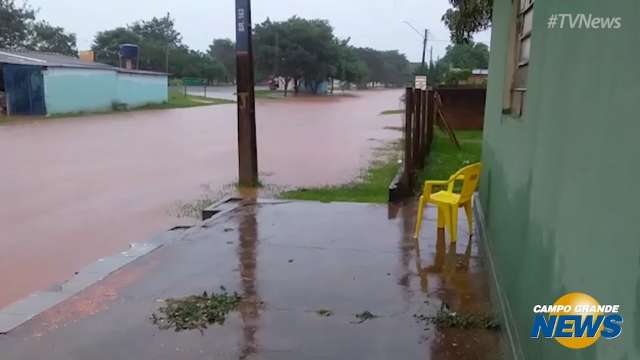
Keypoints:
pixel 470 176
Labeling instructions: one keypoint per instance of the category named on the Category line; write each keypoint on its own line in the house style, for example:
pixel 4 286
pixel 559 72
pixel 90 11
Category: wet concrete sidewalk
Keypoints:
pixel 288 260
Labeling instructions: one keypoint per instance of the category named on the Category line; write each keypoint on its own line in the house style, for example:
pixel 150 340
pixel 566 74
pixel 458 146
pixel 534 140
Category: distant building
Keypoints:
pixel 478 77
pixel 35 83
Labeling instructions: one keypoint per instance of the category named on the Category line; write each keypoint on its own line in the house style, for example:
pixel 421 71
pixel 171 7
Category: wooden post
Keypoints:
pixel 430 120
pixel 417 129
pixel 247 138
pixel 409 169
pixel 423 132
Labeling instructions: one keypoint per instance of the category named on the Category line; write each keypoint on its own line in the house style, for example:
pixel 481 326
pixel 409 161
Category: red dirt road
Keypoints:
pixel 75 190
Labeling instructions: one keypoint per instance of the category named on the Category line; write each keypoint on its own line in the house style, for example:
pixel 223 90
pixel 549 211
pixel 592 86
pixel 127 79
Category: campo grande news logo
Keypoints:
pixel 576 320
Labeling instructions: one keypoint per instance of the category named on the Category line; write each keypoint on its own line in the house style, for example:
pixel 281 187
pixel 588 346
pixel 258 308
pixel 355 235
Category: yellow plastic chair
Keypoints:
pixel 448 202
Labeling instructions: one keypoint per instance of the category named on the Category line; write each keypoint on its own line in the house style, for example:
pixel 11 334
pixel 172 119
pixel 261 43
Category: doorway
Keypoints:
pixel 23 89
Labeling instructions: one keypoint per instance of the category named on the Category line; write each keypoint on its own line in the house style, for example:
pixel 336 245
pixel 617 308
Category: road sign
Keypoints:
pixel 243 25
pixel 421 82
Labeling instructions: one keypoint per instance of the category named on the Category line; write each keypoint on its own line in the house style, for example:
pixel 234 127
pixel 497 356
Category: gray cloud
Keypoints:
pixel 372 23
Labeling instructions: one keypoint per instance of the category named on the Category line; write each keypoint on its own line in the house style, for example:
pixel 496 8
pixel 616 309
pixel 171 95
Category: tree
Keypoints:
pixel 467 17
pixel 195 64
pixel 458 63
pixel 467 56
pixel 387 67
pixel 159 31
pixel 351 69
pixel 158 38
pixel 19 30
pixel 45 37
pixel 106 44
pixel 297 50
pixel 224 52
pixel 161 49
pixel 14 23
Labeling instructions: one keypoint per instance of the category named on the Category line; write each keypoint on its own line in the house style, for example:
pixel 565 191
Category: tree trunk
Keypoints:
pixel 286 86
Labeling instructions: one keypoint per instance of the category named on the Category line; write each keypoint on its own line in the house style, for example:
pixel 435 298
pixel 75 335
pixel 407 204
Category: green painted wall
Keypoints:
pixel 560 185
pixel 136 90
pixel 76 90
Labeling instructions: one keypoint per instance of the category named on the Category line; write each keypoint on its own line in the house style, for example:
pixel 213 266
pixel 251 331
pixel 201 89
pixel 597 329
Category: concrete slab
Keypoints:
pixel 288 260
pixel 24 310
pixel 9 322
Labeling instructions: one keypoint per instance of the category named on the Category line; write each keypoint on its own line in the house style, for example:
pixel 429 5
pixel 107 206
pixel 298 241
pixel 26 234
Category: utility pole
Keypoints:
pixel 276 71
pixel 424 41
pixel 247 139
pixel 424 47
pixel 166 60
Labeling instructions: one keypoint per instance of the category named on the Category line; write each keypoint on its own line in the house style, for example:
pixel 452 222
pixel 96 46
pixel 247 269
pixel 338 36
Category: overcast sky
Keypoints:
pixel 373 23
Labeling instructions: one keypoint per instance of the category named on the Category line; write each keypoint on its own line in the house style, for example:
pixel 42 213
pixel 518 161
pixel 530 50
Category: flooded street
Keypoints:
pixel 75 190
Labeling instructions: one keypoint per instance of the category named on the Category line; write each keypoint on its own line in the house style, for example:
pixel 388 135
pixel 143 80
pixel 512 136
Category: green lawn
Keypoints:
pixel 177 99
pixel 270 94
pixel 446 159
pixel 392 112
pixel 371 187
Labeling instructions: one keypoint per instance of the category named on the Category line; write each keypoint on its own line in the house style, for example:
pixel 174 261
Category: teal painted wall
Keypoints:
pixel 560 185
pixel 76 90
pixel 136 90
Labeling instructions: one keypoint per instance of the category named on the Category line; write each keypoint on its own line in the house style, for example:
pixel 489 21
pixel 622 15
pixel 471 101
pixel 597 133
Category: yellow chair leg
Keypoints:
pixel 445 211
pixel 419 218
pixel 469 211
pixel 453 225
pixel 442 220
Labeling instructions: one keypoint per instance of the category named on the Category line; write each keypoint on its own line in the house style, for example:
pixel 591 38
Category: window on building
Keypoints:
pixel 518 64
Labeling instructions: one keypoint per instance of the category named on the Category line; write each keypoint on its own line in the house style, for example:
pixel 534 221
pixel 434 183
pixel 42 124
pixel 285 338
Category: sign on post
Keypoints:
pixel 421 82
pixel 242 25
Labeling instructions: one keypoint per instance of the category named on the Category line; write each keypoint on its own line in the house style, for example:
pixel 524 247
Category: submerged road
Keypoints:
pixel 75 190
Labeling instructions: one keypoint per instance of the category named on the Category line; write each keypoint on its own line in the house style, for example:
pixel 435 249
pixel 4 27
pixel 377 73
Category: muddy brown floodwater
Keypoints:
pixel 75 190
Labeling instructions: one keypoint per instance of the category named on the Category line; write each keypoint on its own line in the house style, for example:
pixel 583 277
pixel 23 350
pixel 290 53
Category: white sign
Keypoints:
pixel 421 82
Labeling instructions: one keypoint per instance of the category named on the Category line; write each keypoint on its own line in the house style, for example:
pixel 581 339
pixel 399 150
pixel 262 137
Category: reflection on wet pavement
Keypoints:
pixel 289 259
pixel 247 255
pixel 75 190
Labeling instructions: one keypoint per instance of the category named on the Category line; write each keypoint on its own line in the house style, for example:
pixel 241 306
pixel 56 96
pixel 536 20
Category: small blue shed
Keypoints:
pixel 35 83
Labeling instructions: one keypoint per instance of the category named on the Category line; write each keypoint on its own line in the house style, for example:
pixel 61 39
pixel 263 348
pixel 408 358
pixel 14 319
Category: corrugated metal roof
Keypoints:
pixel 35 58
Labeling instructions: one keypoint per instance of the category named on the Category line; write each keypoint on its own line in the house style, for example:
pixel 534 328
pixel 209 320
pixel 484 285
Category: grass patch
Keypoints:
pixel 196 312
pixel 324 312
pixel 270 94
pixel 279 94
pixel 392 112
pixel 445 158
pixel 176 100
pixel 447 319
pixel 371 187
pixel 364 316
